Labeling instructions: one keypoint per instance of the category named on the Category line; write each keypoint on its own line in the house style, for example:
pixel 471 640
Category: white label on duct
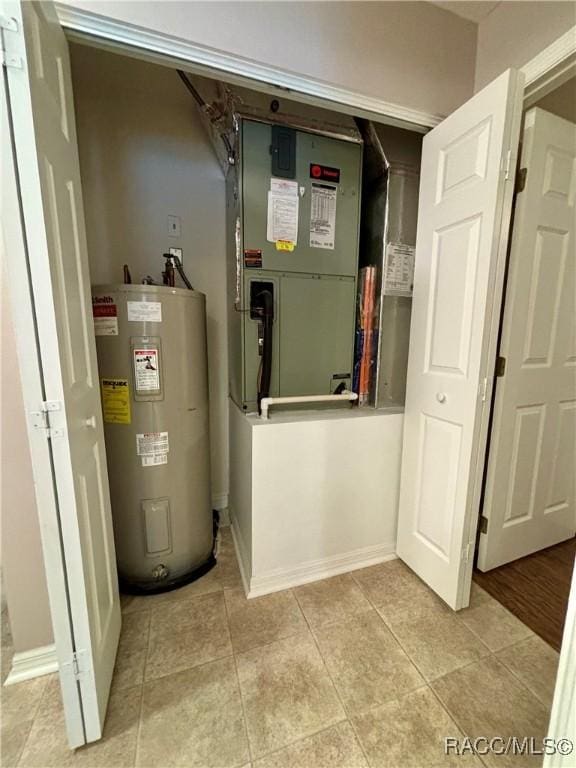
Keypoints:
pixel 155 460
pixel 323 216
pixel 146 373
pixel 399 269
pixel 282 218
pixel 149 443
pixel 145 311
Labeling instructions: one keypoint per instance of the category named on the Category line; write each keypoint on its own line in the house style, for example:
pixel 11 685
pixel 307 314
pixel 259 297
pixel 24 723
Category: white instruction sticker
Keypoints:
pixel 399 269
pixel 323 216
pixel 106 326
pixel 145 311
pixel 282 218
pixel 155 460
pixel 148 443
pixel 146 372
pixel 284 187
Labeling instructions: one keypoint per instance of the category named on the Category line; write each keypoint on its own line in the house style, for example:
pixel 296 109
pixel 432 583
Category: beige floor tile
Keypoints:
pixel 193 719
pixel 287 693
pixel 205 585
pixel 535 663
pixel 19 702
pixel 492 623
pixel 132 649
pixel 392 586
pixel 331 600
pixel 435 638
pixel 365 661
pixel 262 619
pixel 47 747
pixel 409 733
pixel 187 633
pixel 12 738
pixel 336 747
pixel 486 700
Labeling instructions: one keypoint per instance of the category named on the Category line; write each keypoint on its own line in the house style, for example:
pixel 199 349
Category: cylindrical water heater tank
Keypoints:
pixel 151 343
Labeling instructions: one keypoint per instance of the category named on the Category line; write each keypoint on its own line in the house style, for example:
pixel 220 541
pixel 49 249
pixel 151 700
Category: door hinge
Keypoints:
pixel 483 524
pixel 78 666
pixel 500 368
pixel 7 22
pixel 520 180
pixel 7 59
pixel 41 419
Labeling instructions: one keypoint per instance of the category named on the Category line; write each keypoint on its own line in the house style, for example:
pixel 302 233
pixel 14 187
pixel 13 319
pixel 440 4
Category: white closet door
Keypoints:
pixel 52 257
pixel 529 502
pixel 466 185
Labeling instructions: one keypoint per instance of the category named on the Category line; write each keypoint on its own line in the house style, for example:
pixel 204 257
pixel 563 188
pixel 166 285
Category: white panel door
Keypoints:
pixel 529 500
pixel 51 260
pixel 466 185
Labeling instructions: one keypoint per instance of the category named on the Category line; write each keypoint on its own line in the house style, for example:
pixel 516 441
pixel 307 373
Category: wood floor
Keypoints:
pixel 535 589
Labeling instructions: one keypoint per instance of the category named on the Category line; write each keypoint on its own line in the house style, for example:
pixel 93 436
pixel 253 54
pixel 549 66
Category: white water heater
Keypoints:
pixel 152 361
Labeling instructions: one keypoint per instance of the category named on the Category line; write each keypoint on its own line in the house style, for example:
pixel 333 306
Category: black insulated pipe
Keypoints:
pixel 268 321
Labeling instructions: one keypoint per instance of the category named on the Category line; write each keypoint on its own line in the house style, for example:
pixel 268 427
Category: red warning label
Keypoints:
pixel 105 314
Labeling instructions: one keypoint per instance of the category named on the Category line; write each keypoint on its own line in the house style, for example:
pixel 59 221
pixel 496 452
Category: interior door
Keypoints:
pixel 529 500
pixel 49 264
pixel 466 185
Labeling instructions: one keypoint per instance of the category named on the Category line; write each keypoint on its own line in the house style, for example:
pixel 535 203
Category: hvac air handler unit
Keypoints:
pixel 293 202
pixel 151 343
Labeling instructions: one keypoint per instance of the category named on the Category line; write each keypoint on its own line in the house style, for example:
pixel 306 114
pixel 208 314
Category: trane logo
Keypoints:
pixel 324 173
pixel 102 300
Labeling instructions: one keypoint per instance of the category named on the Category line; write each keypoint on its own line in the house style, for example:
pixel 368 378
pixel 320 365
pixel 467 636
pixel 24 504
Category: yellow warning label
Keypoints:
pixel 115 401
pixel 284 245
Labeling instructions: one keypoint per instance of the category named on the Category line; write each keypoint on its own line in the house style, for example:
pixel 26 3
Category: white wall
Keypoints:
pixel 410 53
pixel 144 155
pixel 23 574
pixel 515 32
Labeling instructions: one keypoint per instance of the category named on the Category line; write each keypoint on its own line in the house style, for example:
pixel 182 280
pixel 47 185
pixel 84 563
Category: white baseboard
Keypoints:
pixel 220 501
pixel 318 569
pixel 33 663
pixel 243 562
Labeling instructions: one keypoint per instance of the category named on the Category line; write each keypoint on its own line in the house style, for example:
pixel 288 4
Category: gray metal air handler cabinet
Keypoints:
pixel 293 208
pixel 151 344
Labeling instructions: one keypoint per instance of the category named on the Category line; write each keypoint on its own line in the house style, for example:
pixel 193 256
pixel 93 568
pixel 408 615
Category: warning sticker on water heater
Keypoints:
pixel 323 216
pixel 149 443
pixel 155 460
pixel 144 311
pixel 115 401
pixel 146 372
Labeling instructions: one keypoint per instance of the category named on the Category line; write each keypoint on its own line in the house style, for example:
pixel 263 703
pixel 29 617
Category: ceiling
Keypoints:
pixel 473 10
pixel 562 101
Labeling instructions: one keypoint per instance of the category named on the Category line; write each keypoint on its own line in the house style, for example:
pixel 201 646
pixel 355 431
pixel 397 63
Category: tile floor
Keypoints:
pixel 364 669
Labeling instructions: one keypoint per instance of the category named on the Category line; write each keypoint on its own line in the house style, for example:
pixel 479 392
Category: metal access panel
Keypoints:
pixel 312 270
pixel 338 164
